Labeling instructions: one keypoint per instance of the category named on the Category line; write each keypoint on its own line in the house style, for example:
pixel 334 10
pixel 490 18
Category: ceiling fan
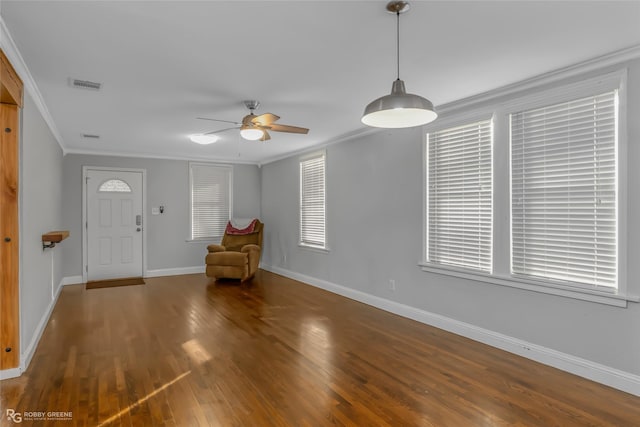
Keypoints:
pixel 255 128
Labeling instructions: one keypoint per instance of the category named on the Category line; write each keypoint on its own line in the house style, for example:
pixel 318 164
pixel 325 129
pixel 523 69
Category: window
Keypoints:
pixel 459 196
pixel 312 201
pixel 536 197
pixel 210 199
pixel 563 183
pixel 114 186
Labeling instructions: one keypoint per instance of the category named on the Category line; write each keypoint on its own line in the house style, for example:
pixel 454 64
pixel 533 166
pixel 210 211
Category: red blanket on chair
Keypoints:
pixel 240 231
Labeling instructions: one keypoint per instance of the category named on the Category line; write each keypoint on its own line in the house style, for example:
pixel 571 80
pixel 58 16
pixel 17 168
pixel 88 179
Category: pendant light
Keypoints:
pixel 399 109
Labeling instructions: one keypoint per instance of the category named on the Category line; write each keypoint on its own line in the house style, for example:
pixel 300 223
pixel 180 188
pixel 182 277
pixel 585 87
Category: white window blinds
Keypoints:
pixel 312 201
pixel 459 195
pixel 563 162
pixel 210 200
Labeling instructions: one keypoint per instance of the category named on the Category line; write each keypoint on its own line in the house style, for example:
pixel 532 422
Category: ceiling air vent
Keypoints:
pixel 85 84
pixel 90 136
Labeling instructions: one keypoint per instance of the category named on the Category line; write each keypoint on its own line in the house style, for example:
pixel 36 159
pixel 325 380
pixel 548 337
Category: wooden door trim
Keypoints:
pixel 10 240
pixel 85 236
pixel 11 93
pixel 12 89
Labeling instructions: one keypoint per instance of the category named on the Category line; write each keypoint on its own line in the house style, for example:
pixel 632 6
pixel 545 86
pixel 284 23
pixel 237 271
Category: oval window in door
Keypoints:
pixel 114 186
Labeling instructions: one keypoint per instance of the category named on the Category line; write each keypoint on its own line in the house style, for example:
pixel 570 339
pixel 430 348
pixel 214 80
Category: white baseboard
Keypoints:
pixel 175 271
pixel 27 355
pixel 71 280
pixel 597 372
pixel 10 373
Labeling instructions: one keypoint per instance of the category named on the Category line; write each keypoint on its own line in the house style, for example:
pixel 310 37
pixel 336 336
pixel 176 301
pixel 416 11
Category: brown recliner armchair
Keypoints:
pixel 237 256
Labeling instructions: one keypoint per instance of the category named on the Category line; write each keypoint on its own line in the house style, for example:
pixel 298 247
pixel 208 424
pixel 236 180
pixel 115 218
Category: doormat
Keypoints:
pixel 97 284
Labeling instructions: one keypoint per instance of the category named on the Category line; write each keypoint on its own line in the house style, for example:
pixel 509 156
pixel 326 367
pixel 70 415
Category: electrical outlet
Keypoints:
pixel 392 284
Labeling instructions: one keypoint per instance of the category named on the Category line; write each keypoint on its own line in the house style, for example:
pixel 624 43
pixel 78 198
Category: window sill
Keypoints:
pixel 592 295
pixel 311 248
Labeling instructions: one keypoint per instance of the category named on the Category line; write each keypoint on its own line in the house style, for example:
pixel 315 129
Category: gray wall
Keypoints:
pixel 40 212
pixel 168 185
pixel 374 226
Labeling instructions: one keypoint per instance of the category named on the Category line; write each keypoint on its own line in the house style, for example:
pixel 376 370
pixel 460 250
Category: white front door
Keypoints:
pixel 114 224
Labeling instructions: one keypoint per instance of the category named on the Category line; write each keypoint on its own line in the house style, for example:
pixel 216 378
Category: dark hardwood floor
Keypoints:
pixel 186 351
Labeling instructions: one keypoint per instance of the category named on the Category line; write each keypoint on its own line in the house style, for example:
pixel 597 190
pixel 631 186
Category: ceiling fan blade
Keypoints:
pixel 218 120
pixel 266 136
pixel 220 130
pixel 265 119
pixel 287 128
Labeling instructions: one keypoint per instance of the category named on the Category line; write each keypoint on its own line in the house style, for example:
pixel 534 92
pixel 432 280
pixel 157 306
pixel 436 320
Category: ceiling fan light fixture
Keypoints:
pixel 203 139
pixel 399 109
pixel 256 127
pixel 251 133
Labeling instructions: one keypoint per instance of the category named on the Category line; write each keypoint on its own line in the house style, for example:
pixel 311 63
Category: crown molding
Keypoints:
pixel 13 54
pixel 160 156
pixel 322 145
pixel 584 67
pixel 598 63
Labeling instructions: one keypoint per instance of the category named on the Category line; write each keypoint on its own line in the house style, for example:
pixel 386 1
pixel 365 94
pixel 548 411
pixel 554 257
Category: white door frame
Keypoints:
pixel 85 235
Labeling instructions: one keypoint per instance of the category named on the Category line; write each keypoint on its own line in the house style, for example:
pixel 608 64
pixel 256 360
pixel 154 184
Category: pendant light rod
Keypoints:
pixel 398 42
pixel 397 7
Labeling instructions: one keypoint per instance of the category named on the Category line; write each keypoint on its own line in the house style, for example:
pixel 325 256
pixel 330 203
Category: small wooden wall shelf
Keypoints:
pixel 50 239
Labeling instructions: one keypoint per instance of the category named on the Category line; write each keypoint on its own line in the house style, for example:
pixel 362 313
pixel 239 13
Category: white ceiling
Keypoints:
pixel 316 64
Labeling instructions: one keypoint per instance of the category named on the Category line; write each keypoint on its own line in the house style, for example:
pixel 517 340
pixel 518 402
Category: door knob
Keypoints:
pixel 7 239
pixel 138 229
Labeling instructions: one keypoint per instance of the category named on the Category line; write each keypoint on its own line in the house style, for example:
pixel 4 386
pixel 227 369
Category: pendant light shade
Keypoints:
pixel 399 109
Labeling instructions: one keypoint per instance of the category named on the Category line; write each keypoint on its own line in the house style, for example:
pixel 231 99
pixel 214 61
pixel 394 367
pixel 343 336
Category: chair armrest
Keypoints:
pixel 253 255
pixel 250 248
pixel 216 248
